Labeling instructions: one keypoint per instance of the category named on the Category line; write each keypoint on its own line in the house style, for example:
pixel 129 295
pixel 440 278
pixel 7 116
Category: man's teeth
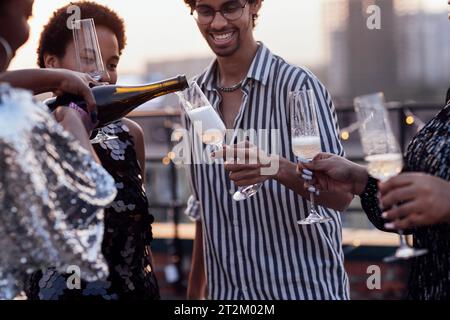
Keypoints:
pixel 224 36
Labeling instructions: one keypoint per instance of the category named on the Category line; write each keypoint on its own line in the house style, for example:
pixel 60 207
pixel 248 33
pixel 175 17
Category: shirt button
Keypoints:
pixel 239 253
pixel 236 223
pixel 231 192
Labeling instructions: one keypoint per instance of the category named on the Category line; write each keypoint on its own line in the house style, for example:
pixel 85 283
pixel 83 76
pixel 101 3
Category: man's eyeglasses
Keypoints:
pixel 231 10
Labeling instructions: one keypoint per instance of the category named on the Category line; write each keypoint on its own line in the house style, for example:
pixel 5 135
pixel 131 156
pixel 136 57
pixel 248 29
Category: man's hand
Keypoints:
pixel 247 164
pixel 415 199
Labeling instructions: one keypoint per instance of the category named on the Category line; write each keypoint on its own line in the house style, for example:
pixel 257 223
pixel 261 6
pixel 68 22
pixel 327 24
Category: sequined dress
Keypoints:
pixel 428 152
pixel 128 232
pixel 127 236
pixel 51 196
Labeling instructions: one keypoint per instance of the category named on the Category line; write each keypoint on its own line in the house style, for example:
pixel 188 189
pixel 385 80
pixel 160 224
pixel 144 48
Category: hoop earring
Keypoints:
pixel 254 17
pixel 8 50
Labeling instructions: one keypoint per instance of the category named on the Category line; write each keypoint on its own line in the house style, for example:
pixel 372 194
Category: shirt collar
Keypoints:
pixel 259 69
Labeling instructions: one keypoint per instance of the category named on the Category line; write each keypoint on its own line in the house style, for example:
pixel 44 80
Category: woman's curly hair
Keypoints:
pixel 56 35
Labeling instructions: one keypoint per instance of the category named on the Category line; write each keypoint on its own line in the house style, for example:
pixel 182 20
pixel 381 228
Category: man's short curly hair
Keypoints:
pixel 191 4
pixel 56 35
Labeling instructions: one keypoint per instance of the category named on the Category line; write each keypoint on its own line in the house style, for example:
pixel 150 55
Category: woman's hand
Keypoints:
pixel 75 83
pixel 53 80
pixel 415 199
pixel 333 173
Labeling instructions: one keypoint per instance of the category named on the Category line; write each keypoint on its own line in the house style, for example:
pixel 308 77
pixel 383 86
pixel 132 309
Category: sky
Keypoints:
pixel 160 30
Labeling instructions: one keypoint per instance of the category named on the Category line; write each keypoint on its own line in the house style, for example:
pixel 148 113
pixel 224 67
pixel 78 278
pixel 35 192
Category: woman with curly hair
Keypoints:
pixel 127 236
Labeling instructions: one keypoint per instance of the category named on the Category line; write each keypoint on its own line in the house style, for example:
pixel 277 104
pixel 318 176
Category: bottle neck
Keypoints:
pixel 159 88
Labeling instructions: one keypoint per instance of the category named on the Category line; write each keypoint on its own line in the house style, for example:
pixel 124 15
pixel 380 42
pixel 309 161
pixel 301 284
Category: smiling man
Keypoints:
pixel 254 249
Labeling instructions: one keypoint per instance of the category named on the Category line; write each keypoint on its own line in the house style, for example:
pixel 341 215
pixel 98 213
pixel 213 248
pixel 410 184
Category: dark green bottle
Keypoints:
pixel 115 102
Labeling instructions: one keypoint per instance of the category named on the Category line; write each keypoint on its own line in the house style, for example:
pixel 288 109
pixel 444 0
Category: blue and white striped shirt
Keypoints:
pixel 254 249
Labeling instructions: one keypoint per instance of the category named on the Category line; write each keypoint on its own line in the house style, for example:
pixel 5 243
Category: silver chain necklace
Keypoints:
pixel 232 88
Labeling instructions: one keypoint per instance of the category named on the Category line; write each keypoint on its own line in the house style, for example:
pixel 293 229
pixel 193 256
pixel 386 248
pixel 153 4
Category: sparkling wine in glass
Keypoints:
pixel 206 121
pixel 382 153
pixel 89 60
pixel 305 139
pixel 210 127
pixel 212 130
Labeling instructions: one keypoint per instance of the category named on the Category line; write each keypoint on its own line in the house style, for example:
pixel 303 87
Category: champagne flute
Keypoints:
pixel 89 60
pixel 210 127
pixel 305 139
pixel 382 154
pixel 206 121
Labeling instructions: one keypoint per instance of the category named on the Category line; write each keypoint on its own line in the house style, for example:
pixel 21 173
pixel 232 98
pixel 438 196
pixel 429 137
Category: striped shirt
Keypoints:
pixel 254 249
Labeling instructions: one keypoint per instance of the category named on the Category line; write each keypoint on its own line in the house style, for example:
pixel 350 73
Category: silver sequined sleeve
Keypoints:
pixel 51 196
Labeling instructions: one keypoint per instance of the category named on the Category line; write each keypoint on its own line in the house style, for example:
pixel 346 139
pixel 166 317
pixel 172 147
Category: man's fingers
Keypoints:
pixel 247 182
pixel 245 175
pixel 238 155
pixel 226 153
pixel 241 167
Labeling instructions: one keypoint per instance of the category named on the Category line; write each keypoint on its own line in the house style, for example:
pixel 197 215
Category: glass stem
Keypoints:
pixel 218 146
pixel 403 243
pixel 313 204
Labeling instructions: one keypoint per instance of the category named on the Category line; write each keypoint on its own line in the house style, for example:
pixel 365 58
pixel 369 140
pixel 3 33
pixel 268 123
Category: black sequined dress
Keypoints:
pixel 127 234
pixel 428 152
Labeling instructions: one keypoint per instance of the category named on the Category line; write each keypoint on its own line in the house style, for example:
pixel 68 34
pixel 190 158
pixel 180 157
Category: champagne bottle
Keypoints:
pixel 115 102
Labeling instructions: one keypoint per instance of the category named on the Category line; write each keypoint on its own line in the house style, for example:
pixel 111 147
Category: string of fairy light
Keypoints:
pixel 409 117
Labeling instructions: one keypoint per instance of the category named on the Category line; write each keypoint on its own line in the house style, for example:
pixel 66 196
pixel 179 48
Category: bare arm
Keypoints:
pixel 197 277
pixel 139 147
pixel 54 80
pixel 71 122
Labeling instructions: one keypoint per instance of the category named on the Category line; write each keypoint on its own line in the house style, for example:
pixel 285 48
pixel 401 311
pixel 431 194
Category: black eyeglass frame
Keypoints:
pixel 213 16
